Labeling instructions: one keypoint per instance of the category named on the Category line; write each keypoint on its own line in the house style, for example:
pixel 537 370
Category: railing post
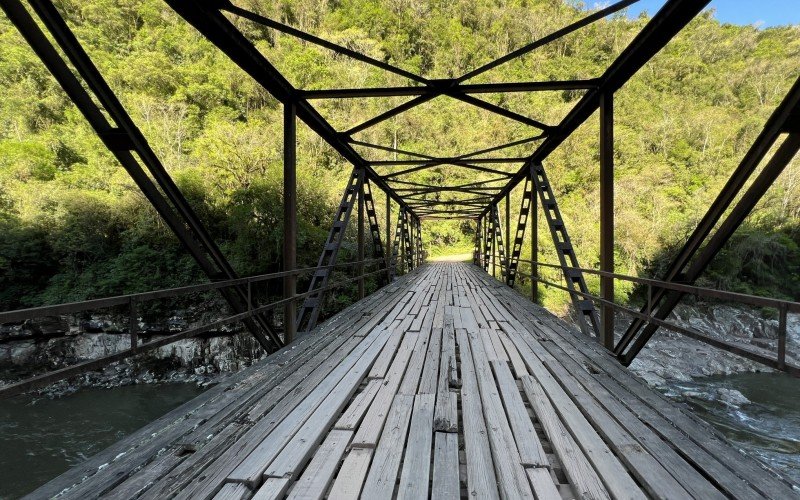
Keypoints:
pixel 494 242
pixel 607 217
pixel 508 244
pixel 133 323
pixel 534 223
pixel 389 236
pixel 289 221
pixel 782 311
pixel 476 258
pixel 360 254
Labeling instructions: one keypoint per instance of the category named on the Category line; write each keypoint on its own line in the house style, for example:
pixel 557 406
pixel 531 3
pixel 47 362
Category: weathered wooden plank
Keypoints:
pixel 316 478
pixel 252 467
pixel 611 471
pixel 513 354
pixel 231 457
pixel 497 344
pixel 350 479
pixel 576 466
pixel 445 484
pixel 389 350
pixel 681 470
pixel 530 447
pixel 382 474
pixel 410 381
pixel 358 406
pixel 233 492
pixel 417 457
pixel 369 431
pixel 511 477
pixel 137 451
pixel 481 480
pixel 446 412
pixel 272 489
pixel 298 450
pixel 448 367
pixel 430 367
pixel 543 484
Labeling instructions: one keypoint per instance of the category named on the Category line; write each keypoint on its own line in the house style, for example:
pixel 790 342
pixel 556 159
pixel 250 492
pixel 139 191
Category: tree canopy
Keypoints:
pixel 75 226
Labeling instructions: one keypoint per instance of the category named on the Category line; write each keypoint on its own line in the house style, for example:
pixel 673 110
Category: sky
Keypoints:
pixel 764 13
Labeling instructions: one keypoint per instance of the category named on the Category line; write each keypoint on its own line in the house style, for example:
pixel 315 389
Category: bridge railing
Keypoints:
pixel 774 359
pixel 133 302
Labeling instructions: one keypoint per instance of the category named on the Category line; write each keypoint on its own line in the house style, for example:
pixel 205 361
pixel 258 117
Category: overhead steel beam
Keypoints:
pixel 459 161
pixel 600 14
pixel 211 23
pixel 664 25
pixel 467 166
pixel 469 184
pixel 391 150
pixel 479 88
pixel 263 20
pixel 499 110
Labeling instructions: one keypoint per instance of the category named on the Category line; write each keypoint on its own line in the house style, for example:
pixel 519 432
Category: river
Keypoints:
pixel 768 426
pixel 41 438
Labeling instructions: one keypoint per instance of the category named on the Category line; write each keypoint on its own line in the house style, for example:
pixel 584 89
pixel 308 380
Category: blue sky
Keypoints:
pixel 764 12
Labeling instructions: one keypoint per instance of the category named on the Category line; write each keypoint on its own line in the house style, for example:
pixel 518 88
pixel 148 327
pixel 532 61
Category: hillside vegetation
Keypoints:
pixel 74 226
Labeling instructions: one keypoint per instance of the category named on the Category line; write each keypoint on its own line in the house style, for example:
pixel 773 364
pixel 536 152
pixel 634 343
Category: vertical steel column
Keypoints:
pixel 289 218
pixel 360 251
pixel 508 235
pixel 389 235
pixel 486 243
pixel 476 258
pixel 420 247
pixel 534 244
pixel 412 241
pixel 494 241
pixel 607 217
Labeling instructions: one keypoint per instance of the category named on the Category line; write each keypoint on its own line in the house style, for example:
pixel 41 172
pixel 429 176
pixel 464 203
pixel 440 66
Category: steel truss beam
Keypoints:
pixel 450 87
pixel 211 23
pixel 395 258
pixel 480 88
pixel 665 24
pixel 519 236
pixel 309 313
pixel 464 165
pixel 781 121
pixel 374 228
pixel 406 236
pixel 477 258
pixel 566 253
pixel 460 161
pixel 123 139
pixel 487 242
pixel 497 238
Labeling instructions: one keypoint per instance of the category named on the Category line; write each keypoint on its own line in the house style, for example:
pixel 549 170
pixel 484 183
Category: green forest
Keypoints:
pixel 74 225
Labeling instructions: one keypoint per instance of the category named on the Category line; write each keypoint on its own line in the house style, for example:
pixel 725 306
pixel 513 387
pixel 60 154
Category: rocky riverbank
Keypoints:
pixel 51 343
pixel 671 357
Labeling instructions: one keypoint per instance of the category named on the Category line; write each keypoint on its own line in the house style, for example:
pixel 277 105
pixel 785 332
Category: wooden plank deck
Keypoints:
pixel 443 384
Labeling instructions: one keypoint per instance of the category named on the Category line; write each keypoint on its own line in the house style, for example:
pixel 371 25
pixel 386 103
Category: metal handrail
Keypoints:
pixel 777 362
pixel 697 291
pixel 76 369
pixel 73 307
